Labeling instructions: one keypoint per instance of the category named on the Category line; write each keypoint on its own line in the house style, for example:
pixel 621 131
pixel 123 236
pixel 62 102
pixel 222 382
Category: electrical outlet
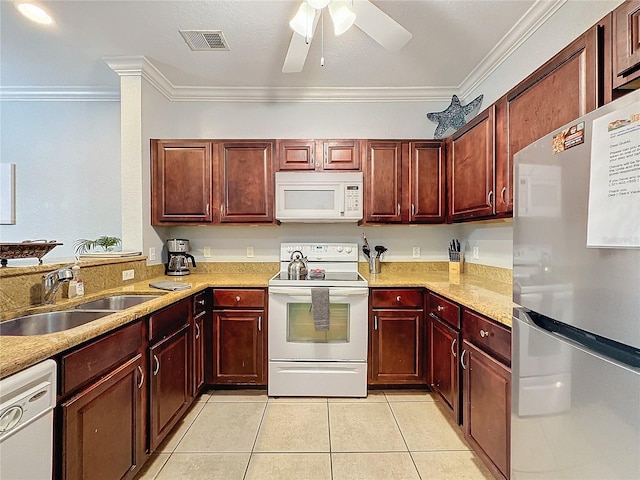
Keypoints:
pixel 416 252
pixel 206 252
pixel 249 252
pixel 476 252
pixel 128 274
pixel 152 253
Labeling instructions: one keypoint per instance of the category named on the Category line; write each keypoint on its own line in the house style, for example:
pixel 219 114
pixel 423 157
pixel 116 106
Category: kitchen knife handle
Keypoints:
pixel 157 369
pixel 375 322
pixel 464 367
pixel 453 346
pixel 141 382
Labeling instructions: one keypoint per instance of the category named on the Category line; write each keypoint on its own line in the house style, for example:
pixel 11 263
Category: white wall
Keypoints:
pixel 67 157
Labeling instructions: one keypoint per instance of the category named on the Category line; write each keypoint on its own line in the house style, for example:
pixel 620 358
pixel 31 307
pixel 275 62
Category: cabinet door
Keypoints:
pixel 198 354
pixel 383 182
pixel 296 154
pixel 426 182
pixel 472 168
pixel 246 177
pixel 239 347
pixel 444 345
pixel 504 161
pixel 397 347
pixel 103 426
pixel 487 407
pixel 170 393
pixel 341 155
pixel 626 42
pixel 181 181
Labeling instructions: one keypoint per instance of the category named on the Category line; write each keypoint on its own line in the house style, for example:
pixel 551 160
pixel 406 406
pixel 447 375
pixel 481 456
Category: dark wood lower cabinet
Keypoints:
pixel 239 346
pixel 103 426
pixel 487 407
pixel 444 345
pixel 397 347
pixel 170 392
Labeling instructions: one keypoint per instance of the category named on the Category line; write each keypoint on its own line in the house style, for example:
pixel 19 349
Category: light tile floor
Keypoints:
pixel 245 435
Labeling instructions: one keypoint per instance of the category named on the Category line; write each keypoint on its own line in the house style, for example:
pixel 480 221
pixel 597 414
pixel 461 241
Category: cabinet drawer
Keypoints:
pixel 169 320
pixel 97 358
pixel 443 309
pixel 396 298
pixel 238 298
pixel 487 335
pixel 199 304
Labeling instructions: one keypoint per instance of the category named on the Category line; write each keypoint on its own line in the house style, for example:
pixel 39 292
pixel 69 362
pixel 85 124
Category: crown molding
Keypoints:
pixel 60 94
pixel 531 21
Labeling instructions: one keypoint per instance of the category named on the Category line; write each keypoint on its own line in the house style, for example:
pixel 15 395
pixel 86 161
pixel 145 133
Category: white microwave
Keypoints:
pixel 314 197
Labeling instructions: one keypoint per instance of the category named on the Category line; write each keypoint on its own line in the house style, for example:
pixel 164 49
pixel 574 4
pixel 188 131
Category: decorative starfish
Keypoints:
pixel 455 116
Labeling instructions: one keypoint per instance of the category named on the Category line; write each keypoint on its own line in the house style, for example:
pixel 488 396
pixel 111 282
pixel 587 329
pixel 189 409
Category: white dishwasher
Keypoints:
pixel 27 399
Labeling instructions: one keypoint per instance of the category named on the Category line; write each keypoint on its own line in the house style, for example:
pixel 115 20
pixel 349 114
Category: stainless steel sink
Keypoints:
pixel 116 302
pixel 42 323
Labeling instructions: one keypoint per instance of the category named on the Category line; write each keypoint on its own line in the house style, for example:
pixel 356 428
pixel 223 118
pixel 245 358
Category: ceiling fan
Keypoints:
pixel 344 13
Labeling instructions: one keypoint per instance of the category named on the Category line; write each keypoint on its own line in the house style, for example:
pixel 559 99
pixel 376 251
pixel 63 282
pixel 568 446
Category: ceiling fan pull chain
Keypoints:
pixel 322 38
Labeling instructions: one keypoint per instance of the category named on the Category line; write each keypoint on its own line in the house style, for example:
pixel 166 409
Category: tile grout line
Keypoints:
pixel 329 432
pixel 255 440
pixel 402 435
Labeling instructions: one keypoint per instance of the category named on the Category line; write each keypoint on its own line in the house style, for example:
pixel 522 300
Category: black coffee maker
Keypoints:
pixel 179 258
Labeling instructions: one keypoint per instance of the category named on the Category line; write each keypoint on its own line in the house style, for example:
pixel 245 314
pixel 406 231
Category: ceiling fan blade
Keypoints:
pixel 380 26
pixel 298 50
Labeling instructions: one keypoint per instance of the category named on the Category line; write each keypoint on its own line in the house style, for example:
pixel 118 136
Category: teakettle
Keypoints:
pixel 297 269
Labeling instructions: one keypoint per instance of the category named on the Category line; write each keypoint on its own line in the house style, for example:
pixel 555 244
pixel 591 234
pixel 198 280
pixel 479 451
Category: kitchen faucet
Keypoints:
pixel 51 283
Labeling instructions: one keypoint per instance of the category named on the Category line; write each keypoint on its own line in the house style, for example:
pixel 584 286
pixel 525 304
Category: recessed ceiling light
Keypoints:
pixel 34 13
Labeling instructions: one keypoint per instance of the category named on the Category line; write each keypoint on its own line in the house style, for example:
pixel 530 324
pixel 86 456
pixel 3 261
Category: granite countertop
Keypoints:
pixel 488 297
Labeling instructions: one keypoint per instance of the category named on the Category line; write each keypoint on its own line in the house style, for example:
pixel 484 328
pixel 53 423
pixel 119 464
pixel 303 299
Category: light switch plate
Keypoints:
pixel 206 252
pixel 152 253
pixel 249 252
pixel 416 252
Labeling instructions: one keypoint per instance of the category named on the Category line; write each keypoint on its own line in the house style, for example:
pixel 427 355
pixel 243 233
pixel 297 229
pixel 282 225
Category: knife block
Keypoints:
pixel 456 269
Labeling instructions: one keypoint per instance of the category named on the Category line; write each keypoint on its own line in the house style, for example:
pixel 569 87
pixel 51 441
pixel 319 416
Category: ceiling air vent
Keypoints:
pixel 199 40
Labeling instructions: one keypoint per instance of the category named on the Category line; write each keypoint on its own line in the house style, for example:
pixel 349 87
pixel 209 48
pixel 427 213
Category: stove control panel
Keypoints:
pixel 321 252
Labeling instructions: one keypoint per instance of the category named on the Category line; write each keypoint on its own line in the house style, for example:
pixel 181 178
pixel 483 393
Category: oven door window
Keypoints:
pixel 301 329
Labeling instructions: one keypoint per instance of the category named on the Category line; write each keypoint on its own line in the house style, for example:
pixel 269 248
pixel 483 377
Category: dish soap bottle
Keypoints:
pixel 76 286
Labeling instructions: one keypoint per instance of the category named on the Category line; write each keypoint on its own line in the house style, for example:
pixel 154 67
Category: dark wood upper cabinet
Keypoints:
pixel 427 182
pixel 318 155
pixel 404 182
pixel 341 154
pixel 246 181
pixel 181 182
pixel 296 154
pixel 383 182
pixel 626 45
pixel 472 168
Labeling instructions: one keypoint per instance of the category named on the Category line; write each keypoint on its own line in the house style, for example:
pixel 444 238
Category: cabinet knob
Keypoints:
pixel 238 298
pixel 398 299
pixel 440 308
pixel 201 302
pixel 484 333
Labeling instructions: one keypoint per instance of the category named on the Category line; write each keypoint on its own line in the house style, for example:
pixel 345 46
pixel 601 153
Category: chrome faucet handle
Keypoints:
pixel 51 282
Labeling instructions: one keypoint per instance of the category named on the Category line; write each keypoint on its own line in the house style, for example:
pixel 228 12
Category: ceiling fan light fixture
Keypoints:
pixel 302 23
pixel 318 4
pixel 342 16
pixel 34 13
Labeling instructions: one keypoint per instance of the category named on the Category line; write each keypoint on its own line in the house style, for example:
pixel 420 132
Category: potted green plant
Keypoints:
pixel 108 244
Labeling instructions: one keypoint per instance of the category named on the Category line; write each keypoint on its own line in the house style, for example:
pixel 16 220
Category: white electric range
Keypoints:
pixel 302 360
